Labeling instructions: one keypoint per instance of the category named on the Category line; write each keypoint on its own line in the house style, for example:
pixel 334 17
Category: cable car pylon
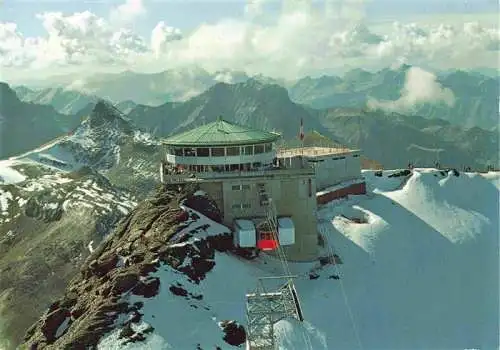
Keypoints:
pixel 266 306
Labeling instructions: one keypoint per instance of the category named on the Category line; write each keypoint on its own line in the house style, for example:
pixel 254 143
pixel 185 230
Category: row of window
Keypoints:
pixel 221 151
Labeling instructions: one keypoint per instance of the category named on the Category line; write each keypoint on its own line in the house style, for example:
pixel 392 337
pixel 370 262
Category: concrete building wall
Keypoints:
pixel 298 202
pixel 332 170
pixel 293 196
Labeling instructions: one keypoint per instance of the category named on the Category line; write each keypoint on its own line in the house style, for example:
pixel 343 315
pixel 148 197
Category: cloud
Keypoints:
pixel 75 39
pixel 161 36
pixel 255 8
pixel 301 40
pixel 128 12
pixel 351 10
pixel 420 87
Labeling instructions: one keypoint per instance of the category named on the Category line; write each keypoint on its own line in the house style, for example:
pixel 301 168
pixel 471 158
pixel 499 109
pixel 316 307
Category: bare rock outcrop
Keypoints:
pixel 96 300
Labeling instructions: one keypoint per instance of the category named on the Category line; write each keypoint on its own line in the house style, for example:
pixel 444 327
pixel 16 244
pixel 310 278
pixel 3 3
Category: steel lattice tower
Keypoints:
pixel 265 308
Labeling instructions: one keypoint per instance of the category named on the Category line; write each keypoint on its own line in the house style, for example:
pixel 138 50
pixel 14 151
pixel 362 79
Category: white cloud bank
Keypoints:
pixel 128 12
pixel 300 41
pixel 420 87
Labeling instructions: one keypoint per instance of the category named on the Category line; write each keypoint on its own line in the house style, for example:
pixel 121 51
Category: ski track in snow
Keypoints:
pixel 421 272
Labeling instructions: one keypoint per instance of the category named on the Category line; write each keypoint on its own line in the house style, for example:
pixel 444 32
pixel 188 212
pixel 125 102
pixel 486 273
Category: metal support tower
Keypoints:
pixel 265 308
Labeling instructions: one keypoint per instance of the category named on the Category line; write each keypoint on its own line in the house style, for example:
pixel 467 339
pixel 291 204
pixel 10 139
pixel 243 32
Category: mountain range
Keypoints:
pixel 24 125
pixel 475 96
pixel 64 101
pixel 392 139
pixel 472 97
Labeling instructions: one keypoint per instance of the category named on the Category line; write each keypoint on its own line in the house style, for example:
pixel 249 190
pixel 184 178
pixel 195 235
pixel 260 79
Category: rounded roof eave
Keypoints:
pixel 272 138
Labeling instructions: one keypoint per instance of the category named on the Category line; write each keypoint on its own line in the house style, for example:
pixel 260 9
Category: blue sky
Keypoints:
pixel 186 14
pixel 40 37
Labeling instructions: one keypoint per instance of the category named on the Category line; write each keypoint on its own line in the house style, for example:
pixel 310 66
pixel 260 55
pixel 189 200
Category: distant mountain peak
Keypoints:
pixel 104 113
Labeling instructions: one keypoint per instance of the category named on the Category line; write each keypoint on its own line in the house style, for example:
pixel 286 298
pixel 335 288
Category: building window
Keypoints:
pixel 259 149
pixel 178 151
pixel 203 152
pixel 266 235
pixel 218 152
pixel 241 206
pixel 247 150
pixel 268 147
pixel 244 187
pixel 233 151
pixel 355 156
pixel 189 152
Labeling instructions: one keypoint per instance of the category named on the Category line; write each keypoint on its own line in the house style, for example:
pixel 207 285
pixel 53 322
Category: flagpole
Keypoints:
pixel 301 136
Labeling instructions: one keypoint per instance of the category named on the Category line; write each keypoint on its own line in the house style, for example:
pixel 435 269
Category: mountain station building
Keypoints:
pixel 252 181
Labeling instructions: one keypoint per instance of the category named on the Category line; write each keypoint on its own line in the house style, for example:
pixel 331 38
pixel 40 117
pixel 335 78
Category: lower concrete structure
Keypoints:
pixel 292 192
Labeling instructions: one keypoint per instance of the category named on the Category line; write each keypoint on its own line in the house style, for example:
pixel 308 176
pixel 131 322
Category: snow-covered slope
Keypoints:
pixel 47 220
pixel 419 271
pixel 55 191
pixel 108 143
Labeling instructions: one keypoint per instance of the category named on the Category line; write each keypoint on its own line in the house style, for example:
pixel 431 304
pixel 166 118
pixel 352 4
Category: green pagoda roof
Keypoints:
pixel 221 133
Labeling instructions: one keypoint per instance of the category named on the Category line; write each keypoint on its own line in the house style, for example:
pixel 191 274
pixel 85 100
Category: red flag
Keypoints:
pixel 301 134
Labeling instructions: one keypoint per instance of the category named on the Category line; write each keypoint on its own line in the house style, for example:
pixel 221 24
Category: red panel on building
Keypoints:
pixel 354 189
pixel 266 241
pixel 267 244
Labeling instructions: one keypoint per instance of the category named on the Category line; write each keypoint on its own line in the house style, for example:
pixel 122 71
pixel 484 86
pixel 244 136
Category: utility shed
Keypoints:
pixel 244 234
pixel 286 231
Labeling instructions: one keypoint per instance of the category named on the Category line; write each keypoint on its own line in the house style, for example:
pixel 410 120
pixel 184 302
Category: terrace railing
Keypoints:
pixel 169 177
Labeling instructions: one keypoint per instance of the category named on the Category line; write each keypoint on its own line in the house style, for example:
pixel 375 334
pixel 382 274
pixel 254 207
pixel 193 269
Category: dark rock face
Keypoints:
pixel 121 265
pixel 178 291
pixel 234 334
pixel 124 282
pixel 52 322
pixel 148 288
pixel 204 205
pixel 35 208
pixel 401 173
pixel 105 264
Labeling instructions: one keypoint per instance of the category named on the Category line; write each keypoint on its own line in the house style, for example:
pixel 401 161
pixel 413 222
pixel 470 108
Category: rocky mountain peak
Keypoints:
pixel 105 114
